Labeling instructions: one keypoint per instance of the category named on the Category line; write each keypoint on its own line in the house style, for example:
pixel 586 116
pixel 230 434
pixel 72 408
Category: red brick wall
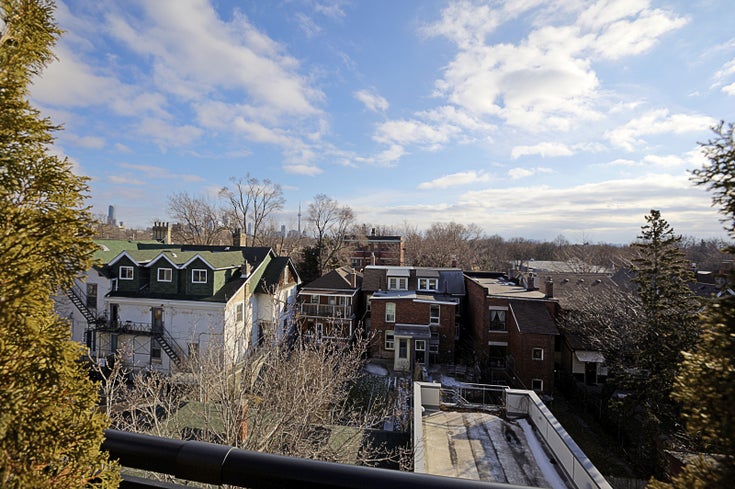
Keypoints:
pixel 410 312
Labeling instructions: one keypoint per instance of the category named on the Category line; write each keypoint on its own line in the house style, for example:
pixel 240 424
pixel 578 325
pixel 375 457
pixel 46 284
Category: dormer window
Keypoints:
pixel 164 274
pixel 125 273
pixel 199 276
pixel 397 283
pixel 430 284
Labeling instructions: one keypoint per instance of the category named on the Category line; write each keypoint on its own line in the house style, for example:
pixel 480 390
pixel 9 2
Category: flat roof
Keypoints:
pixel 481 446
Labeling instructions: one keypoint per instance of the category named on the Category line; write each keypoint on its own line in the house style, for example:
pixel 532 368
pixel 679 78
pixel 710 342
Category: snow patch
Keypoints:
pixel 542 459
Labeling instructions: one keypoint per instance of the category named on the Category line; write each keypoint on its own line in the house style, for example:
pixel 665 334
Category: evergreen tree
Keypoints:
pixel 705 384
pixel 669 308
pixel 50 430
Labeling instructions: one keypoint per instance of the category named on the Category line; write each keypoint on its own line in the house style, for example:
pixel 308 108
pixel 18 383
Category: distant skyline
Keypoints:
pixel 530 119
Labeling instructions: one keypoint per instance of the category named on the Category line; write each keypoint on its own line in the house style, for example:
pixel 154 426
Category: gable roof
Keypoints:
pixel 273 272
pixel 338 279
pixel 532 317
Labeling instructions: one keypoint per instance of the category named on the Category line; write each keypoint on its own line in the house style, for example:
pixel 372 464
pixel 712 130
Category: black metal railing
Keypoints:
pixel 219 464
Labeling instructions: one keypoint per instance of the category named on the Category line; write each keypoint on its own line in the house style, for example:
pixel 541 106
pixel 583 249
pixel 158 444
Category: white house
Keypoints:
pixel 156 304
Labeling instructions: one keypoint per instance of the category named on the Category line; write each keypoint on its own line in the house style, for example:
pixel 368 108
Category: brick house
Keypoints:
pixel 375 250
pixel 513 330
pixel 414 314
pixel 331 306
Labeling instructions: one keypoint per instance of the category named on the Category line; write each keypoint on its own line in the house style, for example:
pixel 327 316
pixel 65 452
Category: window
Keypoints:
pixel 314 299
pixel 402 348
pixel 155 351
pixel 537 384
pixel 164 274
pixel 390 312
pixel 497 320
pixel 434 314
pixel 239 312
pixel 199 276
pixel 397 283
pixel 389 340
pixel 420 346
pixel 126 273
pixel 537 353
pixel 428 284
pixel 433 347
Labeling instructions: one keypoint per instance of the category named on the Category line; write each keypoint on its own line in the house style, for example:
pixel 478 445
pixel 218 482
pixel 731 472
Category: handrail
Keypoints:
pixel 220 464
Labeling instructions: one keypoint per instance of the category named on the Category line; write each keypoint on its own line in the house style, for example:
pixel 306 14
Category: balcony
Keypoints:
pixel 218 464
pixel 326 310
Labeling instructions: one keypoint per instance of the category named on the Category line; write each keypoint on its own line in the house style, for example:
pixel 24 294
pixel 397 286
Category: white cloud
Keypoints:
pixel 657 121
pixel 167 135
pixel 151 172
pixel 307 25
pixel 517 173
pixel 406 132
pixel 455 180
pixel 547 149
pixel 309 170
pixel 372 100
pixel 729 89
pixel 545 81
pixel 85 141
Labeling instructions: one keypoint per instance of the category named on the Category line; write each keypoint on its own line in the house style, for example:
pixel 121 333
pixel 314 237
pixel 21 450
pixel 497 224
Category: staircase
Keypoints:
pixel 78 298
pixel 169 345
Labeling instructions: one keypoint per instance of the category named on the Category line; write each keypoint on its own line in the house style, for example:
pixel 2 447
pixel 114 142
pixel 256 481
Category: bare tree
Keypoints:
pixel 331 223
pixel 444 245
pixel 200 221
pixel 253 201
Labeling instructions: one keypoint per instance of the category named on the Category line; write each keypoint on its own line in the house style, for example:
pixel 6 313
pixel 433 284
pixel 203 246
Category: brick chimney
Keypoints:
pixel 549 288
pixel 531 281
pixel 162 232
pixel 237 238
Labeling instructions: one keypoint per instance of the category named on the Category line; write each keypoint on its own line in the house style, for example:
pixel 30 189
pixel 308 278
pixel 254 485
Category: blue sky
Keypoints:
pixel 528 118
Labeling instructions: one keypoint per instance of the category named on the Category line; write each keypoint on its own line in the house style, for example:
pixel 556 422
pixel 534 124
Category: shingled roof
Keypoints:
pixel 339 279
pixel 533 317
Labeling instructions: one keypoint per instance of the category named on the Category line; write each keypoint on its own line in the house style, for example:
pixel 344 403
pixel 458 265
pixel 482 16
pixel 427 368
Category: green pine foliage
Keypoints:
pixel 705 384
pixel 50 429
pixel 669 307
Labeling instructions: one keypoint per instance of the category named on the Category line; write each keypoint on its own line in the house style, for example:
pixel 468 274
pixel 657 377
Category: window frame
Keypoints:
pixel 389 342
pixel 397 283
pixel 125 276
pixel 495 324
pixel 537 354
pixel 199 271
pixel 164 279
pixel 428 284
pixel 239 312
pixel 390 317
pixel 434 320
pixel 540 384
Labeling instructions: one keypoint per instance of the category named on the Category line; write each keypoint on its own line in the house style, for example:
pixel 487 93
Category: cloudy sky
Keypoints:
pixel 529 118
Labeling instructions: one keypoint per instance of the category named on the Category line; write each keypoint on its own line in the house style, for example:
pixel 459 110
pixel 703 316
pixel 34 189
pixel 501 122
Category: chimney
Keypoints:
pixel 372 232
pixel 162 232
pixel 237 238
pixel 353 278
pixel 245 270
pixel 454 263
pixel 531 281
pixel 549 288
pixel 372 259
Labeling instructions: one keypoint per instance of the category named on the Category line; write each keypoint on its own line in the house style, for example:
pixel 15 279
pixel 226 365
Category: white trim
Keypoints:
pixel 126 267
pixel 170 274
pixel 206 275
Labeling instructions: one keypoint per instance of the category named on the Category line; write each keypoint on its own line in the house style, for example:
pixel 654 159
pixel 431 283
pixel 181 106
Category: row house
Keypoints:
pixel 375 249
pixel 156 304
pixel 414 314
pixel 514 330
pixel 330 307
